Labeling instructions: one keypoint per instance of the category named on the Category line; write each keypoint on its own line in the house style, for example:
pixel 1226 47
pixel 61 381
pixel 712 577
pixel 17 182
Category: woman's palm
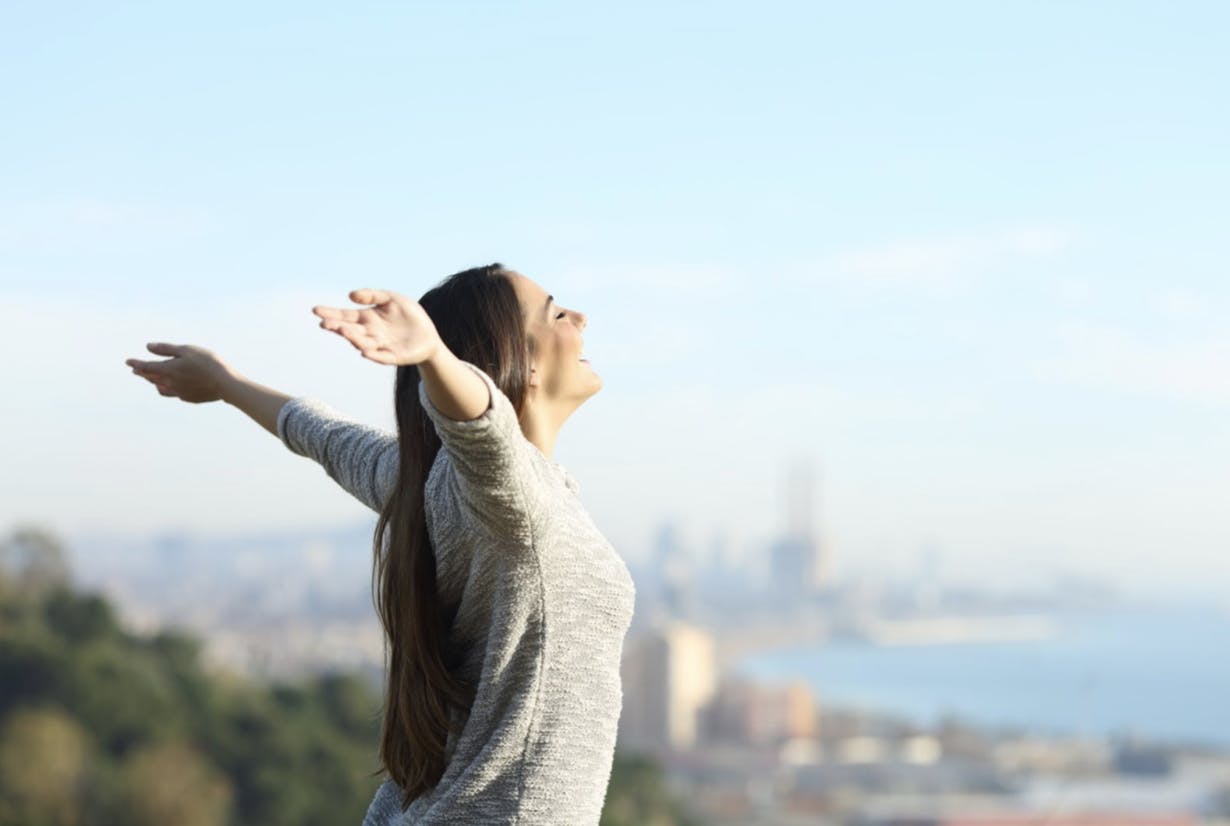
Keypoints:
pixel 397 330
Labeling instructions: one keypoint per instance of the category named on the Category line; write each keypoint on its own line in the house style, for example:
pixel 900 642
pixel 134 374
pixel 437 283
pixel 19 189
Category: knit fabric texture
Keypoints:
pixel 544 604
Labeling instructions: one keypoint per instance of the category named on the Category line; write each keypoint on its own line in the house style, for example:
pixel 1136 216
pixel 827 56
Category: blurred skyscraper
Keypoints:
pixel 672 567
pixel 801 566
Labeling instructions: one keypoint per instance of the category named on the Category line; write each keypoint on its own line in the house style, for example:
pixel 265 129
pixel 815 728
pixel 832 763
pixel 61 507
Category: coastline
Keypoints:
pixel 738 644
pixel 952 630
pixel 1158 673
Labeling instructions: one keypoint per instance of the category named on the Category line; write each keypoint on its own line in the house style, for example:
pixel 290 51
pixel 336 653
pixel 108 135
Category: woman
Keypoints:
pixel 503 606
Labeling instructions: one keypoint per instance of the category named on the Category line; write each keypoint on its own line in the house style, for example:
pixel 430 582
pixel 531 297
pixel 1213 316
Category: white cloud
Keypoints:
pixel 90 219
pixel 1179 304
pixel 939 261
pixel 1073 292
pixel 1107 358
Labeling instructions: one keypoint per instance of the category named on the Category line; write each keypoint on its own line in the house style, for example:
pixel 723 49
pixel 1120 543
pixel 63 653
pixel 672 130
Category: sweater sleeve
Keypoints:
pixel 361 458
pixel 492 473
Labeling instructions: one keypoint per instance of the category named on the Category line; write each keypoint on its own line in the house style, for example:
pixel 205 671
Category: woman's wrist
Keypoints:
pixel 230 385
pixel 262 404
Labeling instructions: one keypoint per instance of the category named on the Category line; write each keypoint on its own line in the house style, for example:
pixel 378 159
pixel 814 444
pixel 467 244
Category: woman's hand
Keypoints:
pixel 395 331
pixel 193 373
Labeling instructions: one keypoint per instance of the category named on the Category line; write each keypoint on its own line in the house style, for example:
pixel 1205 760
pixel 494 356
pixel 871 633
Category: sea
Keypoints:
pixel 1159 673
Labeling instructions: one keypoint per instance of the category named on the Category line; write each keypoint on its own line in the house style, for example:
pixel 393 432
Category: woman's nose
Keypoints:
pixel 581 320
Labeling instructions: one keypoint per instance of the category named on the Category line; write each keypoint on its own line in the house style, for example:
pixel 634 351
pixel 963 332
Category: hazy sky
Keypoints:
pixel 969 258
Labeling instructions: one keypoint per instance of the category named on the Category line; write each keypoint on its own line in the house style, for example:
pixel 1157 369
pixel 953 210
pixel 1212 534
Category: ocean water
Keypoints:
pixel 1159 673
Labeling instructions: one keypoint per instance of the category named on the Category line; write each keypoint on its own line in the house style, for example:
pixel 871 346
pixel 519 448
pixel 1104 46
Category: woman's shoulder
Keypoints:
pixel 539 491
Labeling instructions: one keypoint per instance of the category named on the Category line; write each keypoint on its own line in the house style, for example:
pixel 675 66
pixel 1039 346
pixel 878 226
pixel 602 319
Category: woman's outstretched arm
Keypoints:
pixel 197 375
pixel 360 458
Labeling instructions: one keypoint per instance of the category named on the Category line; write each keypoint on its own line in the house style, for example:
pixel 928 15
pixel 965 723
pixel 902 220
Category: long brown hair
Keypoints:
pixel 480 320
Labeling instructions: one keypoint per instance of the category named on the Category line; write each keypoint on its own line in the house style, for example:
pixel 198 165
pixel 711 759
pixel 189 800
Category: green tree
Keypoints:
pixel 637 795
pixel 79 618
pixel 34 558
pixel 43 767
pixel 172 782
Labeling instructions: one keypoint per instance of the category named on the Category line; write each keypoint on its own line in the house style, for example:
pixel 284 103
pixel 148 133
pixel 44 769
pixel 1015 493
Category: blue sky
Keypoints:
pixel 968 258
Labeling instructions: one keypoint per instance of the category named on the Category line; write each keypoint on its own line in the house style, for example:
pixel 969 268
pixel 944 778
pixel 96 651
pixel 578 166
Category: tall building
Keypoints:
pixel 672 569
pixel 800 563
pixel 669 675
pixel 800 497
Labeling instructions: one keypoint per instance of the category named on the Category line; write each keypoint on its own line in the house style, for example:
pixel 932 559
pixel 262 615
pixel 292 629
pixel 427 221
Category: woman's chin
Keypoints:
pixel 594 383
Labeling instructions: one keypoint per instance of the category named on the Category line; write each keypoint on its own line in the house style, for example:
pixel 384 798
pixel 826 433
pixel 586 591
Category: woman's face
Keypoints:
pixel 559 373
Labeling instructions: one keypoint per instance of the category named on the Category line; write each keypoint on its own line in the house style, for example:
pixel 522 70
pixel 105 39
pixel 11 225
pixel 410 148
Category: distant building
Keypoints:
pixel 669 675
pixel 1143 760
pixel 795 568
pixel 746 712
pixel 800 565
pixel 671 568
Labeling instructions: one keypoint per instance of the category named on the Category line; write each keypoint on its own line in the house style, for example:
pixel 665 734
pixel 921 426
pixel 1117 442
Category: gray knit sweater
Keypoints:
pixel 545 602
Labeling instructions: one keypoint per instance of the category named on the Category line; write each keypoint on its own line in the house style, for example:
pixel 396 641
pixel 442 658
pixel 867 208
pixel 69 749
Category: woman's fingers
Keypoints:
pixel 364 328
pixel 370 296
pixel 161 382
pixel 349 328
pixel 150 369
pixel 145 370
pixel 152 378
pixel 336 313
pixel 160 349
pixel 155 372
pixel 354 332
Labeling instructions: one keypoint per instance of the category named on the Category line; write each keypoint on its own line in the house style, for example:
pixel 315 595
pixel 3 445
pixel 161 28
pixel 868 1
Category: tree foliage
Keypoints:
pixel 100 726
pixel 43 760
pixel 638 795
